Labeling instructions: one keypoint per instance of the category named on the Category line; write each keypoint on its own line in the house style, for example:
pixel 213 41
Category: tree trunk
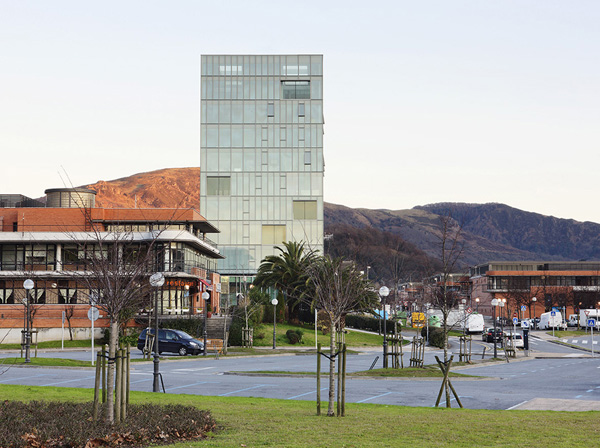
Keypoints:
pixel 330 412
pixel 110 377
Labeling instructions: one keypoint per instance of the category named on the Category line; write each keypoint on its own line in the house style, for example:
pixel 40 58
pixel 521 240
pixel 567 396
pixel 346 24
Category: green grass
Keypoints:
pixel 84 343
pixel 6 362
pixel 353 338
pixel 254 422
pixel 569 333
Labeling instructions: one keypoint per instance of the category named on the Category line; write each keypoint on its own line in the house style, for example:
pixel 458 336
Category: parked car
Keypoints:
pixel 517 339
pixel 490 335
pixel 172 341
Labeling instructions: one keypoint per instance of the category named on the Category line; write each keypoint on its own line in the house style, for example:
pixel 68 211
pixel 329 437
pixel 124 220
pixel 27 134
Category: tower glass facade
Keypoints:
pixel 261 155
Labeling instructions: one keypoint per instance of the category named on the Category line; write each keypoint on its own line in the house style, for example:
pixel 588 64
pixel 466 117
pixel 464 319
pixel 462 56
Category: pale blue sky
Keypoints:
pixel 425 101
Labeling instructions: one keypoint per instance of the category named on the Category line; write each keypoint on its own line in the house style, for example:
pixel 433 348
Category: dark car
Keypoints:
pixel 490 335
pixel 172 341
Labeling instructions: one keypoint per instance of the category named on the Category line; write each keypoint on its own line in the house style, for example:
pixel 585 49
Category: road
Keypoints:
pixel 563 373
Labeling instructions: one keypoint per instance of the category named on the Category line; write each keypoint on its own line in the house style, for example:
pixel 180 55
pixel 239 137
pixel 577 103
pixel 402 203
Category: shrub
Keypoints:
pixel 436 337
pixel 235 329
pixel 192 325
pixel 294 336
pixel 363 322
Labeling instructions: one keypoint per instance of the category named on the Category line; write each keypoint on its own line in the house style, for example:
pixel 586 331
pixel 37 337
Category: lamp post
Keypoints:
pixel 494 305
pixel 206 298
pixel 156 281
pixel 383 293
pixel 477 303
pixel 28 285
pixel 464 304
pixel 274 302
pixel 534 300
pixel 427 305
pixel 501 304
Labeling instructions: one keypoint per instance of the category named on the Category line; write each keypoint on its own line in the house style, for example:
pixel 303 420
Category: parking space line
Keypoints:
pixel 307 393
pixel 188 385
pixel 140 381
pixel 243 390
pixel 26 378
pixel 517 405
pixel 70 381
pixel 376 396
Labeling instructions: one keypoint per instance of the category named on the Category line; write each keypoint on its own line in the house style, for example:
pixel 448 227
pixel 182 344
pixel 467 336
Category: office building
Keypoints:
pixel 261 157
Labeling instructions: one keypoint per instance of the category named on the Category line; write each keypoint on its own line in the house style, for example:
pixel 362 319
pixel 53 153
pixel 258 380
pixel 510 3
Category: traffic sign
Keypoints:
pixel 591 322
pixel 523 307
pixel 93 313
pixel 515 320
pixel 552 313
pixel 515 314
pixel 524 324
pixel 469 310
pixel 587 312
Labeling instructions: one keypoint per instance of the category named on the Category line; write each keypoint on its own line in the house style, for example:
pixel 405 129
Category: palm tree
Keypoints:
pixel 287 272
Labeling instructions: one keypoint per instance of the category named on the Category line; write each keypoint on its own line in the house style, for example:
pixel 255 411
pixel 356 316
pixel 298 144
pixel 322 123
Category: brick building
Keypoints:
pixel 49 243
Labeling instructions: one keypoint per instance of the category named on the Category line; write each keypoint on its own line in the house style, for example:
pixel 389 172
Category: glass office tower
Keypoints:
pixel 261 156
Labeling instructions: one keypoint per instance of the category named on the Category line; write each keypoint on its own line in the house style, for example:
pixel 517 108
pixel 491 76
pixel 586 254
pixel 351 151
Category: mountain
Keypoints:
pixel 490 231
pixel 548 237
pixel 169 187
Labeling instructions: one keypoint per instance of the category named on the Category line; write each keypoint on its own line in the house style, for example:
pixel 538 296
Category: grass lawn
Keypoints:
pixel 253 422
pixel 353 338
pixel 570 333
pixel 84 343
pixel 6 362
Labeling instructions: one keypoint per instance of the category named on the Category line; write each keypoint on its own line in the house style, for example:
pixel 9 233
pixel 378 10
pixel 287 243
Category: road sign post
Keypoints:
pixel 93 314
pixel 591 323
pixel 553 314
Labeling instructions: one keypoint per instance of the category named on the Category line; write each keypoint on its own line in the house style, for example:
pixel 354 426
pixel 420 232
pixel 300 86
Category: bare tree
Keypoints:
pixel 337 288
pixel 69 312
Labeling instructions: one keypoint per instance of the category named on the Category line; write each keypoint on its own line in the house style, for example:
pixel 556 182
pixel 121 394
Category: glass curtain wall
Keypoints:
pixel 261 154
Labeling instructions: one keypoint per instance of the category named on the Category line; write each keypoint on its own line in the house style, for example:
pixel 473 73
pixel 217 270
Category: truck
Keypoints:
pixel 547 320
pixel 584 315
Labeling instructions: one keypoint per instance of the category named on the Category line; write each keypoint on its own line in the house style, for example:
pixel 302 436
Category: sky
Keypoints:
pixel 424 101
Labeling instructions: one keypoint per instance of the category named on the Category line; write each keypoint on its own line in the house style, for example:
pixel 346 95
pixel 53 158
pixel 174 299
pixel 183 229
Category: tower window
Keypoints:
pixel 295 90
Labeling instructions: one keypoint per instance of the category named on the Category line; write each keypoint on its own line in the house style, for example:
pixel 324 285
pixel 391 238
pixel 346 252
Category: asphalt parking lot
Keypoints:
pixel 551 372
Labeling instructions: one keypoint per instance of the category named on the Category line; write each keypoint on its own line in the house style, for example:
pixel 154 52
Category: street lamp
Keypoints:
pixel 274 302
pixel 502 303
pixel 28 285
pixel 206 298
pixel 464 304
pixel 494 305
pixel 534 300
pixel 156 281
pixel 383 293
pixel 477 303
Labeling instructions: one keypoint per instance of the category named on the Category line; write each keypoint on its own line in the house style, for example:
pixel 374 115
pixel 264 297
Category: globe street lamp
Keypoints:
pixel 383 293
pixel 534 300
pixel 28 285
pixel 274 302
pixel 477 303
pixel 501 303
pixel 206 298
pixel 156 281
pixel 494 305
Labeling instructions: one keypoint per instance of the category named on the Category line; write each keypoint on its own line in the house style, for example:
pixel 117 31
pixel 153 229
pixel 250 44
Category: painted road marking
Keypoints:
pixel 376 396
pixel 243 390
pixel 307 393
pixel 189 385
pixel 26 378
pixel 69 381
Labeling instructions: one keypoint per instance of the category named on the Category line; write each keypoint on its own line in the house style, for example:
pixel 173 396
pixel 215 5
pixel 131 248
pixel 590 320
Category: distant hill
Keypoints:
pixel 547 237
pixel 169 187
pixel 421 228
pixel 490 231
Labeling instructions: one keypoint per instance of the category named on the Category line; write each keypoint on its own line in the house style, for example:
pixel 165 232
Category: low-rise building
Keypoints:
pixel 48 244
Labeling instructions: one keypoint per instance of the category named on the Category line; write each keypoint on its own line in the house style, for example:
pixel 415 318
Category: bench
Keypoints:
pixel 214 345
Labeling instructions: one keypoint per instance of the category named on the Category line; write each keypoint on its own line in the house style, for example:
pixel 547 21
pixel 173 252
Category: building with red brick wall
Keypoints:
pixel 48 244
pixel 537 286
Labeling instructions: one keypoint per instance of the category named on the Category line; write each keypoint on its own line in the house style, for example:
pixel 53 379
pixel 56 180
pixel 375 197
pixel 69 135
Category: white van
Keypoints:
pixel 584 315
pixel 475 323
pixel 547 320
